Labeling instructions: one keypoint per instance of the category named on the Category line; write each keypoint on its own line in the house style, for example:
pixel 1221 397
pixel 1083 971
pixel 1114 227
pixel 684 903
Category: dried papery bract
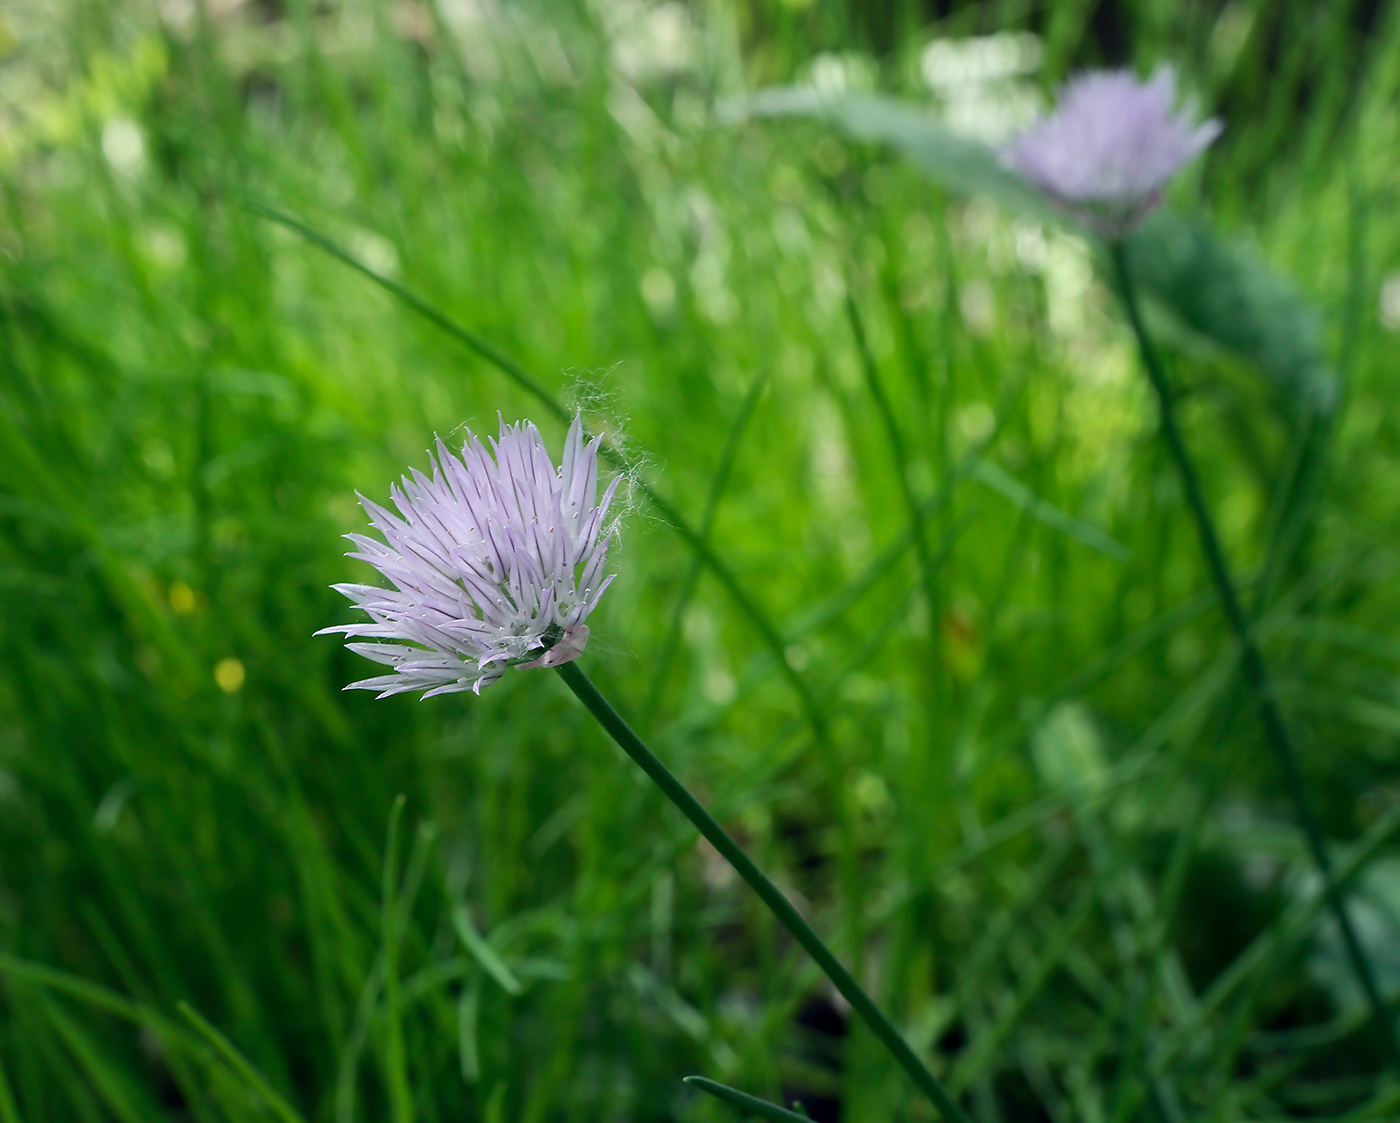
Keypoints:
pixel 1110 148
pixel 494 558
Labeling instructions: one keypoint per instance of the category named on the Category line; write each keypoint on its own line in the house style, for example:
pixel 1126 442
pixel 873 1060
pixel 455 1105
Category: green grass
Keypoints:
pixel 1006 771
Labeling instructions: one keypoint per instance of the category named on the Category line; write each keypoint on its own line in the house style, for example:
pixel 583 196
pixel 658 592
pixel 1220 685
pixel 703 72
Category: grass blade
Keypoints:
pixel 718 481
pixel 745 1102
pixel 239 1064
pixel 483 952
pixel 395 1059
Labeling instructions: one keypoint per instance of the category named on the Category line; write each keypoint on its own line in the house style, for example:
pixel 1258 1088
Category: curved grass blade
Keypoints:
pixel 113 1086
pixel 93 994
pixel 395 1059
pixel 9 1110
pixel 101 998
pixel 745 1102
pixel 483 952
pixel 1015 492
pixel 480 345
pixel 239 1064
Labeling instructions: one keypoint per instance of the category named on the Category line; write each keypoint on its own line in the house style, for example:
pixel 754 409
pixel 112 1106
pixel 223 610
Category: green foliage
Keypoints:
pixel 750 1105
pixel 1220 293
pixel 1231 298
pixel 959 163
pixel 935 645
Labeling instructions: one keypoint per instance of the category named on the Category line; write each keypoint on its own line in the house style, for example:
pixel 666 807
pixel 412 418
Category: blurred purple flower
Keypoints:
pixel 1110 147
pixel 496 557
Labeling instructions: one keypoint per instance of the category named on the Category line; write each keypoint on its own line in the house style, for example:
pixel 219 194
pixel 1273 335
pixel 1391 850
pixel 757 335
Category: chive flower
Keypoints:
pixel 495 560
pixel 1111 146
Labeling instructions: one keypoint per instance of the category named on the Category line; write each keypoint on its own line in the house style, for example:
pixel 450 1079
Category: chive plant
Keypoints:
pixel 1104 157
pixel 496 560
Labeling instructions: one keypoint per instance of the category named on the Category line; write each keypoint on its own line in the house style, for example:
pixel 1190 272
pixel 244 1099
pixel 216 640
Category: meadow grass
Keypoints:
pixel 940 649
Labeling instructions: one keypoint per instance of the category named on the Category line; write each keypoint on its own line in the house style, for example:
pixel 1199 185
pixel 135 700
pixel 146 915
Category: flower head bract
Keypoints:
pixel 1111 146
pixel 495 560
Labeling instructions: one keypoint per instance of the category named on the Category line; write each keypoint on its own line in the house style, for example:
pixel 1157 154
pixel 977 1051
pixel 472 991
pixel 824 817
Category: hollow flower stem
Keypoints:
pixel 1256 671
pixel 780 906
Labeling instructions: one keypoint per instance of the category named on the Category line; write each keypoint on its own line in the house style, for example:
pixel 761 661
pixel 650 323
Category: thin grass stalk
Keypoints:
pixel 236 1061
pixel 1292 504
pixel 1056 943
pixel 1257 964
pixel 861 657
pixel 1251 657
pixel 976 975
pixel 111 1086
pixel 182 1070
pixel 1157 947
pixel 395 1058
pixel 824 612
pixel 1233 1038
pixel 618 729
pixel 900 455
pixel 1157 938
pixel 749 1105
pixel 9 1110
pixel 723 467
pixel 354 1045
pixel 1247 1094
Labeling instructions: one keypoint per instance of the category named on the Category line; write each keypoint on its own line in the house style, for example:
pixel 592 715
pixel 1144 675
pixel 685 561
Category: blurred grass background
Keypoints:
pixel 1009 774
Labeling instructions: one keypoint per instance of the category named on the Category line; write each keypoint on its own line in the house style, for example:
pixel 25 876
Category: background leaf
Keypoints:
pixel 1211 287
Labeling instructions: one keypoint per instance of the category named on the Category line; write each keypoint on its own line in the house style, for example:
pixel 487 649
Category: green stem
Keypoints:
pixel 749 1105
pixel 9 1111
pixel 239 1064
pixel 900 456
pixel 1251 657
pixel 769 893
pixel 396 1058
pixel 728 454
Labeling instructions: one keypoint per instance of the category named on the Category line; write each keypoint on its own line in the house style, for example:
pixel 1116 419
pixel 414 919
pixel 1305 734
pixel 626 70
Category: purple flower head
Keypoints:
pixel 1110 147
pixel 492 559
